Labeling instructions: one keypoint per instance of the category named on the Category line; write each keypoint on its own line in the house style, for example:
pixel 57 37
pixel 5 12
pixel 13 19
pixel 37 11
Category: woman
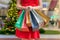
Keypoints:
pixel 24 4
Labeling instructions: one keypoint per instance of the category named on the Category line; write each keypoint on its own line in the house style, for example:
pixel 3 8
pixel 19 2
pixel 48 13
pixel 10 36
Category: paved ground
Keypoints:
pixel 48 39
pixel 43 37
pixel 9 39
pixel 50 36
pixel 19 39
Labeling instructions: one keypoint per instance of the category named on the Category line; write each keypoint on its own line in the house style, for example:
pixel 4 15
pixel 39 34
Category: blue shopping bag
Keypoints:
pixel 35 25
pixel 20 20
pixel 38 17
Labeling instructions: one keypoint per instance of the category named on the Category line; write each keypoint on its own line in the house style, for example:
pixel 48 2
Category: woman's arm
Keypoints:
pixel 18 3
pixel 40 3
pixel 19 6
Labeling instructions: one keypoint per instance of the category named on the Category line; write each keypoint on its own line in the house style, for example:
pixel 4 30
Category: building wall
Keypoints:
pixel 3 12
pixel 4 4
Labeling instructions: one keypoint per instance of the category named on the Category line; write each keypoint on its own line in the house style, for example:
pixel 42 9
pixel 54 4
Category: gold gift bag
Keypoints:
pixel 28 22
pixel 45 18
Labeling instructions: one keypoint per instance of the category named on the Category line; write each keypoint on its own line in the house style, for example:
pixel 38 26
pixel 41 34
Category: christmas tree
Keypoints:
pixel 11 18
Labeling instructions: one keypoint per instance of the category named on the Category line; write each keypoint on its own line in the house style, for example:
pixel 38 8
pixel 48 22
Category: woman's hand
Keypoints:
pixel 28 7
pixel 35 7
pixel 21 7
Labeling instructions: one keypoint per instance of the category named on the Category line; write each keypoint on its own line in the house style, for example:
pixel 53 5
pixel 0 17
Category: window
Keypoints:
pixel 3 8
pixel 3 13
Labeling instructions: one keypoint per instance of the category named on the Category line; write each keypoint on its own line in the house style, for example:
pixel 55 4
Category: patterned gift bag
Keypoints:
pixel 20 20
pixel 34 22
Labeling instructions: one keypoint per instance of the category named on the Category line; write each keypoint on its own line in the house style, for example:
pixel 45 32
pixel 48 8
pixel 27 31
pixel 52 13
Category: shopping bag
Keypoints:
pixel 34 23
pixel 45 17
pixel 24 26
pixel 28 22
pixel 38 17
pixel 19 12
pixel 52 5
pixel 20 20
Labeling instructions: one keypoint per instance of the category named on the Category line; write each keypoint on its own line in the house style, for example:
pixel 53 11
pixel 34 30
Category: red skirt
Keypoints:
pixel 27 35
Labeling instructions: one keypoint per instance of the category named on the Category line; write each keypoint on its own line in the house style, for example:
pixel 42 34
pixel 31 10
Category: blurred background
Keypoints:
pixel 8 16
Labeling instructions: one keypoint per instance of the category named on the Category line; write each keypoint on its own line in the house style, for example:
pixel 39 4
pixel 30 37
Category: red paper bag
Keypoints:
pixel 24 26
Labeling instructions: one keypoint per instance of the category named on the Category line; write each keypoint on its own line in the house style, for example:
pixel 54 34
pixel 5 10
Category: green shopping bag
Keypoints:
pixel 20 20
